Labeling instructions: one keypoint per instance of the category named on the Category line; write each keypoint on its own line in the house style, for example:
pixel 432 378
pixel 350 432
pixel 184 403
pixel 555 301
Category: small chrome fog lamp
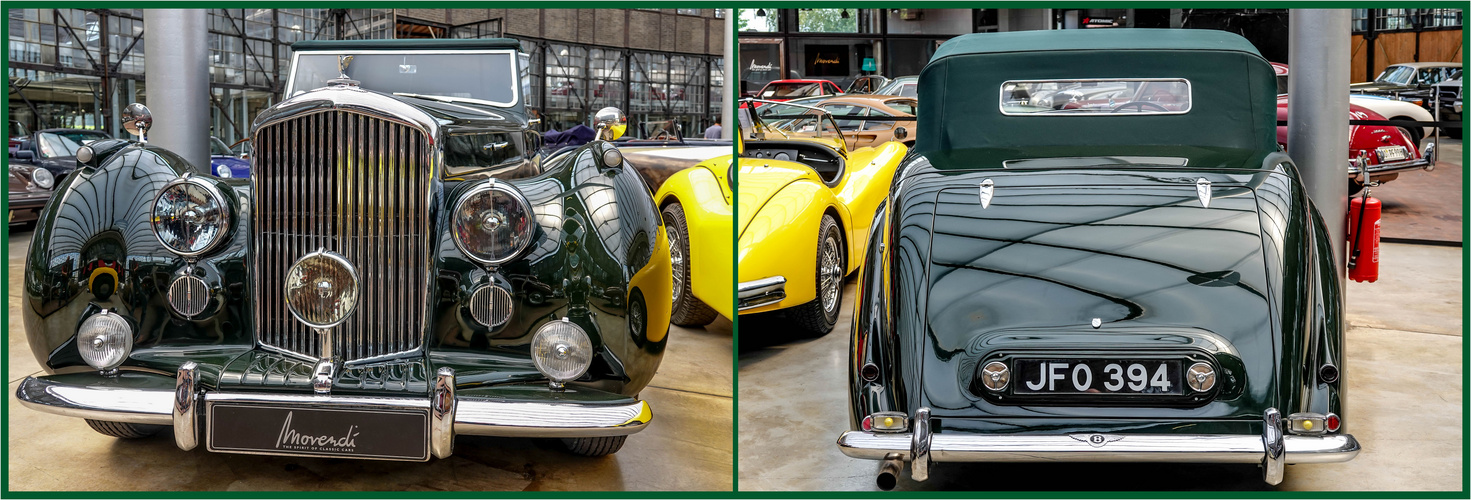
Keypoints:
pixel 322 290
pixel 105 340
pixel 561 351
pixel 190 216
pixel 85 154
pixel 1200 377
pixel 493 223
pixel 995 376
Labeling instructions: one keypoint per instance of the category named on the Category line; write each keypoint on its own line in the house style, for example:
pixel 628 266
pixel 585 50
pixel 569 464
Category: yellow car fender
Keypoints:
pixel 704 194
pixel 780 236
pixel 656 282
pixel 865 185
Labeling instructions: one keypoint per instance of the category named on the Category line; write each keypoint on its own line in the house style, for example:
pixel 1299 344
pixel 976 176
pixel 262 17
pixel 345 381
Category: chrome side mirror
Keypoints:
pixel 137 119
pixel 900 133
pixel 611 123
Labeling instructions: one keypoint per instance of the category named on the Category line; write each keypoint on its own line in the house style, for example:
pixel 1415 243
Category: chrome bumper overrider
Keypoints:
pixel 1272 449
pixel 450 415
pixel 753 294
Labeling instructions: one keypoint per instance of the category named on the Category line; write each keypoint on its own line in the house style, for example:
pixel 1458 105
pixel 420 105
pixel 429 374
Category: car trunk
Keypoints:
pixel 1134 248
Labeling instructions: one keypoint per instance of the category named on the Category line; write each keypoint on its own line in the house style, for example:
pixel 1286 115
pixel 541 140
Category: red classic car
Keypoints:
pixel 1380 150
pixel 786 90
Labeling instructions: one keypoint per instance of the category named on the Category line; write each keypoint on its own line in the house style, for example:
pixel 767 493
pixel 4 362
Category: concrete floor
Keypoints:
pixel 1422 205
pixel 686 447
pixel 1403 372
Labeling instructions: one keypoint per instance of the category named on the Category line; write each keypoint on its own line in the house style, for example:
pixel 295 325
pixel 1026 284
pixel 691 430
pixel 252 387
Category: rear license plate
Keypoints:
pixel 1393 153
pixel 1098 376
pixel 383 434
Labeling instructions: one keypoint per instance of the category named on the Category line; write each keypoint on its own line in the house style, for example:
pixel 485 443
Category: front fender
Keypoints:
pixel 94 249
pixel 781 240
pixel 864 188
pixel 707 212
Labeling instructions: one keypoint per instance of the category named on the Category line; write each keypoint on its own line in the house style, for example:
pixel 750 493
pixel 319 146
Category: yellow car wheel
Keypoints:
pixel 819 315
pixel 688 310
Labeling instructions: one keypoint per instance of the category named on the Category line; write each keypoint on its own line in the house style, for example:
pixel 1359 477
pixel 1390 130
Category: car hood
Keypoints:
pixel 1378 87
pixel 1134 248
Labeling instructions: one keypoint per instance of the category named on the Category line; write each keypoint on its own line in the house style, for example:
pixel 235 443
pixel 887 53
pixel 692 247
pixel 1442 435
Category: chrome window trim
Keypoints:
pixel 515 70
pixel 1189 94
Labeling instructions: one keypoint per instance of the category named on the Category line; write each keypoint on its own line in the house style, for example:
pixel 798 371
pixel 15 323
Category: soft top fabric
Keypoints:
pixel 409 44
pixel 1233 90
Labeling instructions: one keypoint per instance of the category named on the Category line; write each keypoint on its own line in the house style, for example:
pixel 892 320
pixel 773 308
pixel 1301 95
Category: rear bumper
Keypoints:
pixel 1396 166
pixel 1273 449
pixel 1196 448
pixel 152 399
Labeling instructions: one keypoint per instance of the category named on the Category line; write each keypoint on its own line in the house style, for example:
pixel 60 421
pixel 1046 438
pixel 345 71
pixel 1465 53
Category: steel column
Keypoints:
pixel 732 79
pixel 177 73
pixel 1318 52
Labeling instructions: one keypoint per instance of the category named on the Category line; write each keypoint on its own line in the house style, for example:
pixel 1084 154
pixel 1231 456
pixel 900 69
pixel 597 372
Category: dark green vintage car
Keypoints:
pixel 403 265
pixel 1131 272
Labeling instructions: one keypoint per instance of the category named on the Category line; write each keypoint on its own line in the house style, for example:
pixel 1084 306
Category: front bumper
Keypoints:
pixel 144 398
pixel 1272 449
pixel 757 293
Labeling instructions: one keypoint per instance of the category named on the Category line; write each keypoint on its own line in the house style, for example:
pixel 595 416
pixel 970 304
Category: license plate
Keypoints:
pixel 383 434
pixel 1392 153
pixel 1098 376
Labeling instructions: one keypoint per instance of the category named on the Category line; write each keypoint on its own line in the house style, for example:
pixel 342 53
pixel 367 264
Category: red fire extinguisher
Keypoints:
pixel 1363 238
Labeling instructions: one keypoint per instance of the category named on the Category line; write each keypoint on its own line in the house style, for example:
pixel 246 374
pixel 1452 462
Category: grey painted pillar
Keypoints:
pixel 1318 52
pixel 177 75
pixel 732 78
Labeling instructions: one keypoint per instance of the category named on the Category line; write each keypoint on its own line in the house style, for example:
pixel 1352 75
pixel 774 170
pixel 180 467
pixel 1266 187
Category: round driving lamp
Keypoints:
pixel 190 217
pixel 322 289
pixel 223 172
pixel 493 223
pixel 43 178
pixel 561 351
pixel 85 154
pixel 105 340
pixel 995 376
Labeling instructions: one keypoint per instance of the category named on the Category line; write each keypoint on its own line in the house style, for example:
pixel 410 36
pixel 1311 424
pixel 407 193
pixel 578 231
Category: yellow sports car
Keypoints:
pixel 696 205
pixel 806 204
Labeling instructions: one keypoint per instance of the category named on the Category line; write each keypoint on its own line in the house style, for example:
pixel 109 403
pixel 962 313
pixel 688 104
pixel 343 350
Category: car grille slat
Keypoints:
pixel 356 185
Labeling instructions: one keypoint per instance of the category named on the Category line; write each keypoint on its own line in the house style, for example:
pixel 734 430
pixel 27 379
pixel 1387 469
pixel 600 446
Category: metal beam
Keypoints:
pixel 732 78
pixel 1316 137
pixel 177 72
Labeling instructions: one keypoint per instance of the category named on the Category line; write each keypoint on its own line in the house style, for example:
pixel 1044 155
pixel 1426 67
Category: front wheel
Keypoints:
pixel 819 315
pixel 688 310
pixel 594 446
pixel 124 430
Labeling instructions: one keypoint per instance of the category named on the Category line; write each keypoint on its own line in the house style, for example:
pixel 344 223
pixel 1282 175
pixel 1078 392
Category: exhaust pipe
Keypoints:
pixel 889 472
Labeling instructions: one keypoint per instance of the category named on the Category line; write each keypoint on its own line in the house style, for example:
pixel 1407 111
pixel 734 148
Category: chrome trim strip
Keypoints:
pixel 442 414
pixel 757 293
pixel 186 402
pixel 1198 448
pixel 113 404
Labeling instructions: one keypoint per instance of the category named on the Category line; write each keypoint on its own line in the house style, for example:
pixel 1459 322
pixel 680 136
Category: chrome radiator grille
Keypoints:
pixel 358 186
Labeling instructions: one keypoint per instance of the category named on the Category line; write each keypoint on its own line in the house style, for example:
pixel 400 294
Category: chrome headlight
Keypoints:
pixel 105 340
pixel 42 178
pixel 561 351
pixel 493 223
pixel 223 171
pixel 190 217
pixel 322 289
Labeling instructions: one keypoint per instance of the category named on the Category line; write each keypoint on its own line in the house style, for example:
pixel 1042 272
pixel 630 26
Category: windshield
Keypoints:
pixel 791 90
pixel 53 145
pixel 777 120
pixel 1396 74
pixel 1095 97
pixel 217 147
pixel 487 76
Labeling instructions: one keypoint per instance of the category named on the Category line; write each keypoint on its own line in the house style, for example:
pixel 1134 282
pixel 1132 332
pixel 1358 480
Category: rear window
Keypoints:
pixel 1087 97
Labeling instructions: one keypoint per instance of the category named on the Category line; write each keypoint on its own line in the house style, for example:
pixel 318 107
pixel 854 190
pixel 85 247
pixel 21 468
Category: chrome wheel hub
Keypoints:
pixel 830 274
pixel 676 256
